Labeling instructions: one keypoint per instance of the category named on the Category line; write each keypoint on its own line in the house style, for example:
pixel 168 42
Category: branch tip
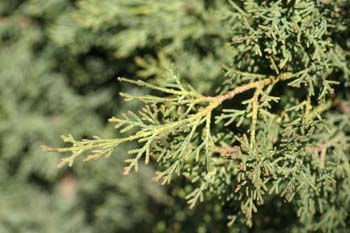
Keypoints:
pixel 46 148
pixel 61 164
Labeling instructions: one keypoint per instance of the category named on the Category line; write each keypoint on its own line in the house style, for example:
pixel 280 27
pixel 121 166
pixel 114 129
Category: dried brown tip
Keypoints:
pixel 91 157
pixel 126 171
pixel 45 148
pixel 61 164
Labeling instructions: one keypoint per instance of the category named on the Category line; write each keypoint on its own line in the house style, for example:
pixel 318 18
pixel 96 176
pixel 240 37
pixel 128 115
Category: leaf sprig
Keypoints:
pixel 154 121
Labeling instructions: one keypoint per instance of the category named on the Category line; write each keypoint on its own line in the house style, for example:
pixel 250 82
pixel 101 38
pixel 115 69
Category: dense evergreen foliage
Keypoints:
pixel 242 109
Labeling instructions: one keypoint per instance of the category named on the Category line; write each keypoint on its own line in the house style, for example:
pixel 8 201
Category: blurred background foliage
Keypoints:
pixel 59 61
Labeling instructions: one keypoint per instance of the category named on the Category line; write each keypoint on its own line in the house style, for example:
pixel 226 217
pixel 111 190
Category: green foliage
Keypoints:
pixel 57 75
pixel 36 104
pixel 275 132
pixel 157 33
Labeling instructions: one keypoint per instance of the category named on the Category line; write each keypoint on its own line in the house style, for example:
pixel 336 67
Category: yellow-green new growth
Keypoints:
pixel 150 127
